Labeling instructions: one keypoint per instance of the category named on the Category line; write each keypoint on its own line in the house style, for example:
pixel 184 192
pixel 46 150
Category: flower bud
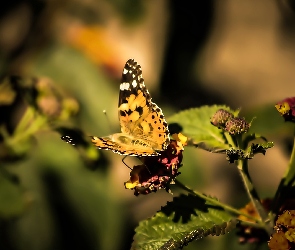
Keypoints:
pixel 237 126
pixel 220 118
pixel 233 155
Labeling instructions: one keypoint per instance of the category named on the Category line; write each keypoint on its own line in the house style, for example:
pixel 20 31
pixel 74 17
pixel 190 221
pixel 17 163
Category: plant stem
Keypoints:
pixel 218 203
pixel 230 140
pixel 286 181
pixel 291 167
pixel 253 195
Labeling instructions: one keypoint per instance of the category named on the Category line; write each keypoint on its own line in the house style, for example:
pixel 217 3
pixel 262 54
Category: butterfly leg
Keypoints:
pixel 125 162
pixel 130 167
pixel 148 169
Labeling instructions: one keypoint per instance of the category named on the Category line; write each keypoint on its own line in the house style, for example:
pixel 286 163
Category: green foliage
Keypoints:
pixel 258 148
pixel 187 218
pixel 286 187
pixel 240 154
pixel 12 202
pixel 181 221
pixel 190 216
pixel 251 137
pixel 195 123
pixel 77 206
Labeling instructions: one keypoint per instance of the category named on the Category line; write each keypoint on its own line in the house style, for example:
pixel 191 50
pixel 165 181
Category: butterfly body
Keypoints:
pixel 144 131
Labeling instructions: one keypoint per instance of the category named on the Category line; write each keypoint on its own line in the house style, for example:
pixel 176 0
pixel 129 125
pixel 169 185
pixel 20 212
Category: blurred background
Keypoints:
pixel 53 196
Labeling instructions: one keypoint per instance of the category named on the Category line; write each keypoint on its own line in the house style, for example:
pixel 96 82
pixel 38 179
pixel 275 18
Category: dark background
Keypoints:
pixel 238 53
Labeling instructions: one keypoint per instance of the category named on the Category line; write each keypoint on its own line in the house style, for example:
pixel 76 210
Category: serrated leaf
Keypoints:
pixel 195 124
pixel 252 137
pixel 184 219
pixel 258 148
pixel 233 155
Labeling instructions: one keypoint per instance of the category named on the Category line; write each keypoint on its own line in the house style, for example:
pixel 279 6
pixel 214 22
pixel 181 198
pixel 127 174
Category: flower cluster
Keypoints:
pixel 284 237
pixel 157 172
pixel 225 120
pixel 52 102
pixel 220 118
pixel 35 103
pixel 250 234
pixel 286 108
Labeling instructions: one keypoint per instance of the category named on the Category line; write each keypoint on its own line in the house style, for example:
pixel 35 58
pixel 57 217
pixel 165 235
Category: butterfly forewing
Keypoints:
pixel 134 98
pixel 143 126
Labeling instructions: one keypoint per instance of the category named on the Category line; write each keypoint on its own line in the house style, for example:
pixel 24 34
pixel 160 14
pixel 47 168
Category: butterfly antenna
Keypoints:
pixel 148 169
pixel 108 121
pixel 125 162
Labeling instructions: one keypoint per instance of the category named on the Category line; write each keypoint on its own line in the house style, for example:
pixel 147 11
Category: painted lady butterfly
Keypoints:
pixel 144 129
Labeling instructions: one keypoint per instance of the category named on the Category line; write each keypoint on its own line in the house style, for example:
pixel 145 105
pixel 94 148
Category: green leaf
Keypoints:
pixel 11 198
pixel 252 137
pixel 181 221
pixel 195 123
pixel 259 148
pixel 233 154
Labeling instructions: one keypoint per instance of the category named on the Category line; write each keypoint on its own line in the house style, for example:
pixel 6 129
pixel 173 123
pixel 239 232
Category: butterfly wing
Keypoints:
pixel 122 148
pixel 138 115
pixel 143 126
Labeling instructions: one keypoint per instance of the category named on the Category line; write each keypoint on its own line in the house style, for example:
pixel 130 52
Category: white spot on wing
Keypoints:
pixel 125 71
pixel 124 86
pixel 134 83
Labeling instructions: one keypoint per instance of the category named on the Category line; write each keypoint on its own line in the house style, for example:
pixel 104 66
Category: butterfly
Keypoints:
pixel 144 130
